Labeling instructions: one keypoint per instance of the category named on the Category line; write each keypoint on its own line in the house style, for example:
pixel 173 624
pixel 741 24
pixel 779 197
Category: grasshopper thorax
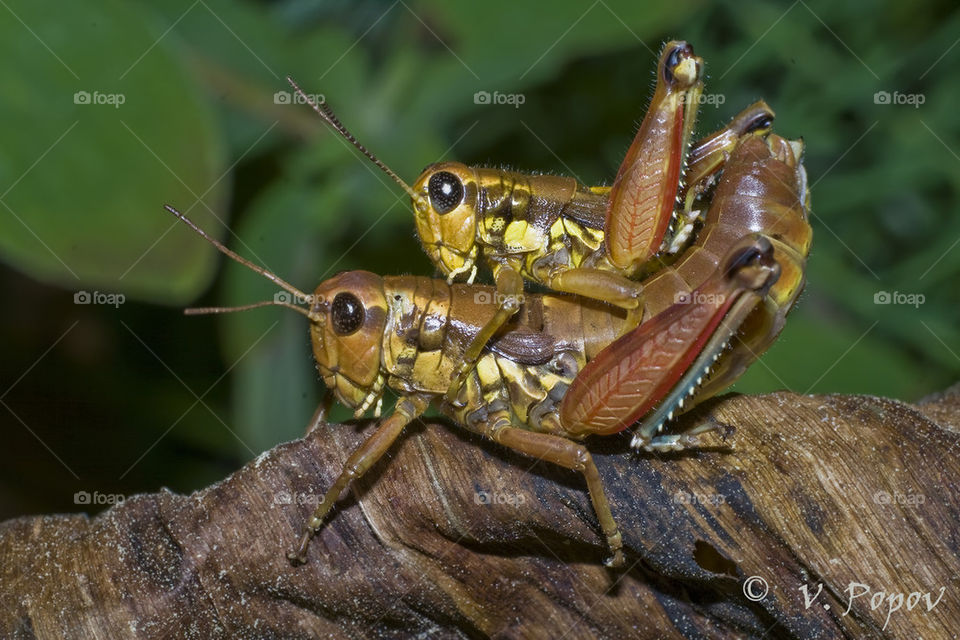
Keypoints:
pixel 446 211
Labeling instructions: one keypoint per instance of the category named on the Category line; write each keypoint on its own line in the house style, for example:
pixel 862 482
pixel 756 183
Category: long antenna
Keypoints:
pixel 202 311
pixel 280 282
pixel 325 112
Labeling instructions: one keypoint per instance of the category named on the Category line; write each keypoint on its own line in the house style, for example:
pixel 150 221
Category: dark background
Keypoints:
pixel 131 398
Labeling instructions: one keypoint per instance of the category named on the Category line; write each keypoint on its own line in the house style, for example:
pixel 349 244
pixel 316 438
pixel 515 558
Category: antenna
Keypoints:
pixel 299 295
pixel 202 311
pixel 325 112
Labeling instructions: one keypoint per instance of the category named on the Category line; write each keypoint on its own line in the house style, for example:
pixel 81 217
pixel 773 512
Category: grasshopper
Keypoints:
pixel 410 334
pixel 554 231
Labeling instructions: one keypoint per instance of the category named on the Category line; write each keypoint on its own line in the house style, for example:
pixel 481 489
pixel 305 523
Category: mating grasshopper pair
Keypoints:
pixel 551 230
pixel 557 367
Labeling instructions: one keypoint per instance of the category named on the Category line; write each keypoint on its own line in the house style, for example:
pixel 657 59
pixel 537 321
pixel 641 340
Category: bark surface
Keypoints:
pixel 451 536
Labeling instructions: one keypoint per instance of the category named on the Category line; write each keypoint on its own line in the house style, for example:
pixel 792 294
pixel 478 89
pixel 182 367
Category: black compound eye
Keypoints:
pixel 347 314
pixel 446 191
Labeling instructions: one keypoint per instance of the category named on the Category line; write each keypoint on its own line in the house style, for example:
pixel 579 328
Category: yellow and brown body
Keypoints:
pixel 538 225
pixel 414 331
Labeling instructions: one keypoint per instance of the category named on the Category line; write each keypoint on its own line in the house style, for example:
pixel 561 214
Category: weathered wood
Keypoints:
pixel 454 537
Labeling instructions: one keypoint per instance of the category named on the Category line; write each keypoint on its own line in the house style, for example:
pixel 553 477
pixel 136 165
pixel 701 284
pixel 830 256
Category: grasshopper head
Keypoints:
pixel 350 312
pixel 446 215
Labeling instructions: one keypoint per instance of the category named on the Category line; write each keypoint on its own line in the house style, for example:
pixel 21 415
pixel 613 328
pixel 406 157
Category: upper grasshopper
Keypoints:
pixel 591 241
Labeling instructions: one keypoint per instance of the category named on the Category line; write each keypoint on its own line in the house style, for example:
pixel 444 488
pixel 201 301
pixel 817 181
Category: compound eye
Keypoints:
pixel 446 191
pixel 347 314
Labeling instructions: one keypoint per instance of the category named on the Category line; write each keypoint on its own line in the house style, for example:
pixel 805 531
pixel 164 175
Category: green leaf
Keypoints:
pixel 101 124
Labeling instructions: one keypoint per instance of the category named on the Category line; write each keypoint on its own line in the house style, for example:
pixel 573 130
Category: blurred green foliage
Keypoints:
pixel 206 124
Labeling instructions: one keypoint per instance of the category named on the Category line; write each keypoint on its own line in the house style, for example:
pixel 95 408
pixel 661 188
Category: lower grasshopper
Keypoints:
pixel 552 230
pixel 410 333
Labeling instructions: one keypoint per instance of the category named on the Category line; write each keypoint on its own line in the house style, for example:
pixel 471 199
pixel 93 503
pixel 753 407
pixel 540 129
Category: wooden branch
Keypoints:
pixel 454 537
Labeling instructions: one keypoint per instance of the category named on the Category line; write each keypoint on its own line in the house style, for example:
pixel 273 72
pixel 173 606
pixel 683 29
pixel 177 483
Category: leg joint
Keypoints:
pixel 583 459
